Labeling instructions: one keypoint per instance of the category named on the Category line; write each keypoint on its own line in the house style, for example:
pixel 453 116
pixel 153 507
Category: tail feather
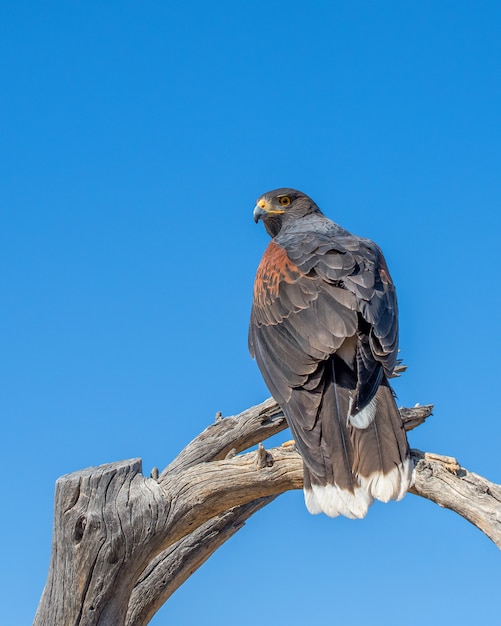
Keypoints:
pixel 382 455
pixel 334 501
pixel 359 464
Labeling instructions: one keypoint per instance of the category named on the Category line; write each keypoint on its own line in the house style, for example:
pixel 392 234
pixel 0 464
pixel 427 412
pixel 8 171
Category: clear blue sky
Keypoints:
pixel 135 138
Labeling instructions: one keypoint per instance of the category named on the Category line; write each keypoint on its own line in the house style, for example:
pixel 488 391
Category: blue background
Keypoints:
pixel 135 139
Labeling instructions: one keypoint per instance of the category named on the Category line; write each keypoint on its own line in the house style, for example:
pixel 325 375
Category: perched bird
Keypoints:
pixel 324 332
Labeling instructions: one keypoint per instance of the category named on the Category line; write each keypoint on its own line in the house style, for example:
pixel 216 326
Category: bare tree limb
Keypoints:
pixel 172 567
pixel 226 437
pixel 231 435
pixel 443 481
pixel 123 543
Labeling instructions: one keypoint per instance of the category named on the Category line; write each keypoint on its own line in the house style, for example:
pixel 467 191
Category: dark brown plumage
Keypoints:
pixel 324 332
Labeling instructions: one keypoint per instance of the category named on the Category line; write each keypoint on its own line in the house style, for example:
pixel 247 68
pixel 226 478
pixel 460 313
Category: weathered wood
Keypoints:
pixel 203 491
pixel 122 543
pixel 104 518
pixel 110 522
pixel 172 567
pixel 231 435
pixel 442 480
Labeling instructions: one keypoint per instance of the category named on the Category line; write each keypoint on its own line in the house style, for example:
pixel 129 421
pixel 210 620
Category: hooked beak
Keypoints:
pixel 259 213
pixel 264 209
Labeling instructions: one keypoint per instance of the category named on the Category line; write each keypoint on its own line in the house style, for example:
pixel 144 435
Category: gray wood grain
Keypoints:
pixel 123 543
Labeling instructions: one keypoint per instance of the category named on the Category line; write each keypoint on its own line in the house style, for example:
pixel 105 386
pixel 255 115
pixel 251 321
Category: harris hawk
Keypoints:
pixel 324 333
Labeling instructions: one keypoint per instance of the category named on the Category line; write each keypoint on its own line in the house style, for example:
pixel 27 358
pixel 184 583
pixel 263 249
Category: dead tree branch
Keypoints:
pixel 123 543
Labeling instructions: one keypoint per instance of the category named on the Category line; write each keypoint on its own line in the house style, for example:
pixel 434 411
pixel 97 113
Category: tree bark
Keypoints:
pixel 123 543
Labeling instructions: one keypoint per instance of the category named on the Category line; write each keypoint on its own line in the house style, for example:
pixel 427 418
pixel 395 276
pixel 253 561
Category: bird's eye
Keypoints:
pixel 284 200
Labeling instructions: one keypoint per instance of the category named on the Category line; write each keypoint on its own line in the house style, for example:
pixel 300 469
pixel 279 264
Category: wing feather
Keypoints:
pixel 324 330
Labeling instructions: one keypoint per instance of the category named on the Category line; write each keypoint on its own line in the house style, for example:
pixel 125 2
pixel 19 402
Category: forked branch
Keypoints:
pixel 124 543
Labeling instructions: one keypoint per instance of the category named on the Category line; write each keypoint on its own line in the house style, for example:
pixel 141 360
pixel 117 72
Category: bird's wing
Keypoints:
pixel 324 332
pixel 314 290
pixel 298 318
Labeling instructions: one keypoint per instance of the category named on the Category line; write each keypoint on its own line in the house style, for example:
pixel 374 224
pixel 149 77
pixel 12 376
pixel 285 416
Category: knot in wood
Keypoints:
pixel 425 469
pixel 79 529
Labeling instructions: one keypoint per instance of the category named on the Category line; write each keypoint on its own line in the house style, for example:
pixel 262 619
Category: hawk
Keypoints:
pixel 324 333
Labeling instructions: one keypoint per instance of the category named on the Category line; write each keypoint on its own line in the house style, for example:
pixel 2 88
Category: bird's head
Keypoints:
pixel 282 206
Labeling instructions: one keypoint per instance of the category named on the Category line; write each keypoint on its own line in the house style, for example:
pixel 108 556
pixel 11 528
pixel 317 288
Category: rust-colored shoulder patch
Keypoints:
pixel 275 267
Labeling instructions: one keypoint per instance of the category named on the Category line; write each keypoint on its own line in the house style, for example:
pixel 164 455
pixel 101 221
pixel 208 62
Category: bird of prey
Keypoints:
pixel 324 332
